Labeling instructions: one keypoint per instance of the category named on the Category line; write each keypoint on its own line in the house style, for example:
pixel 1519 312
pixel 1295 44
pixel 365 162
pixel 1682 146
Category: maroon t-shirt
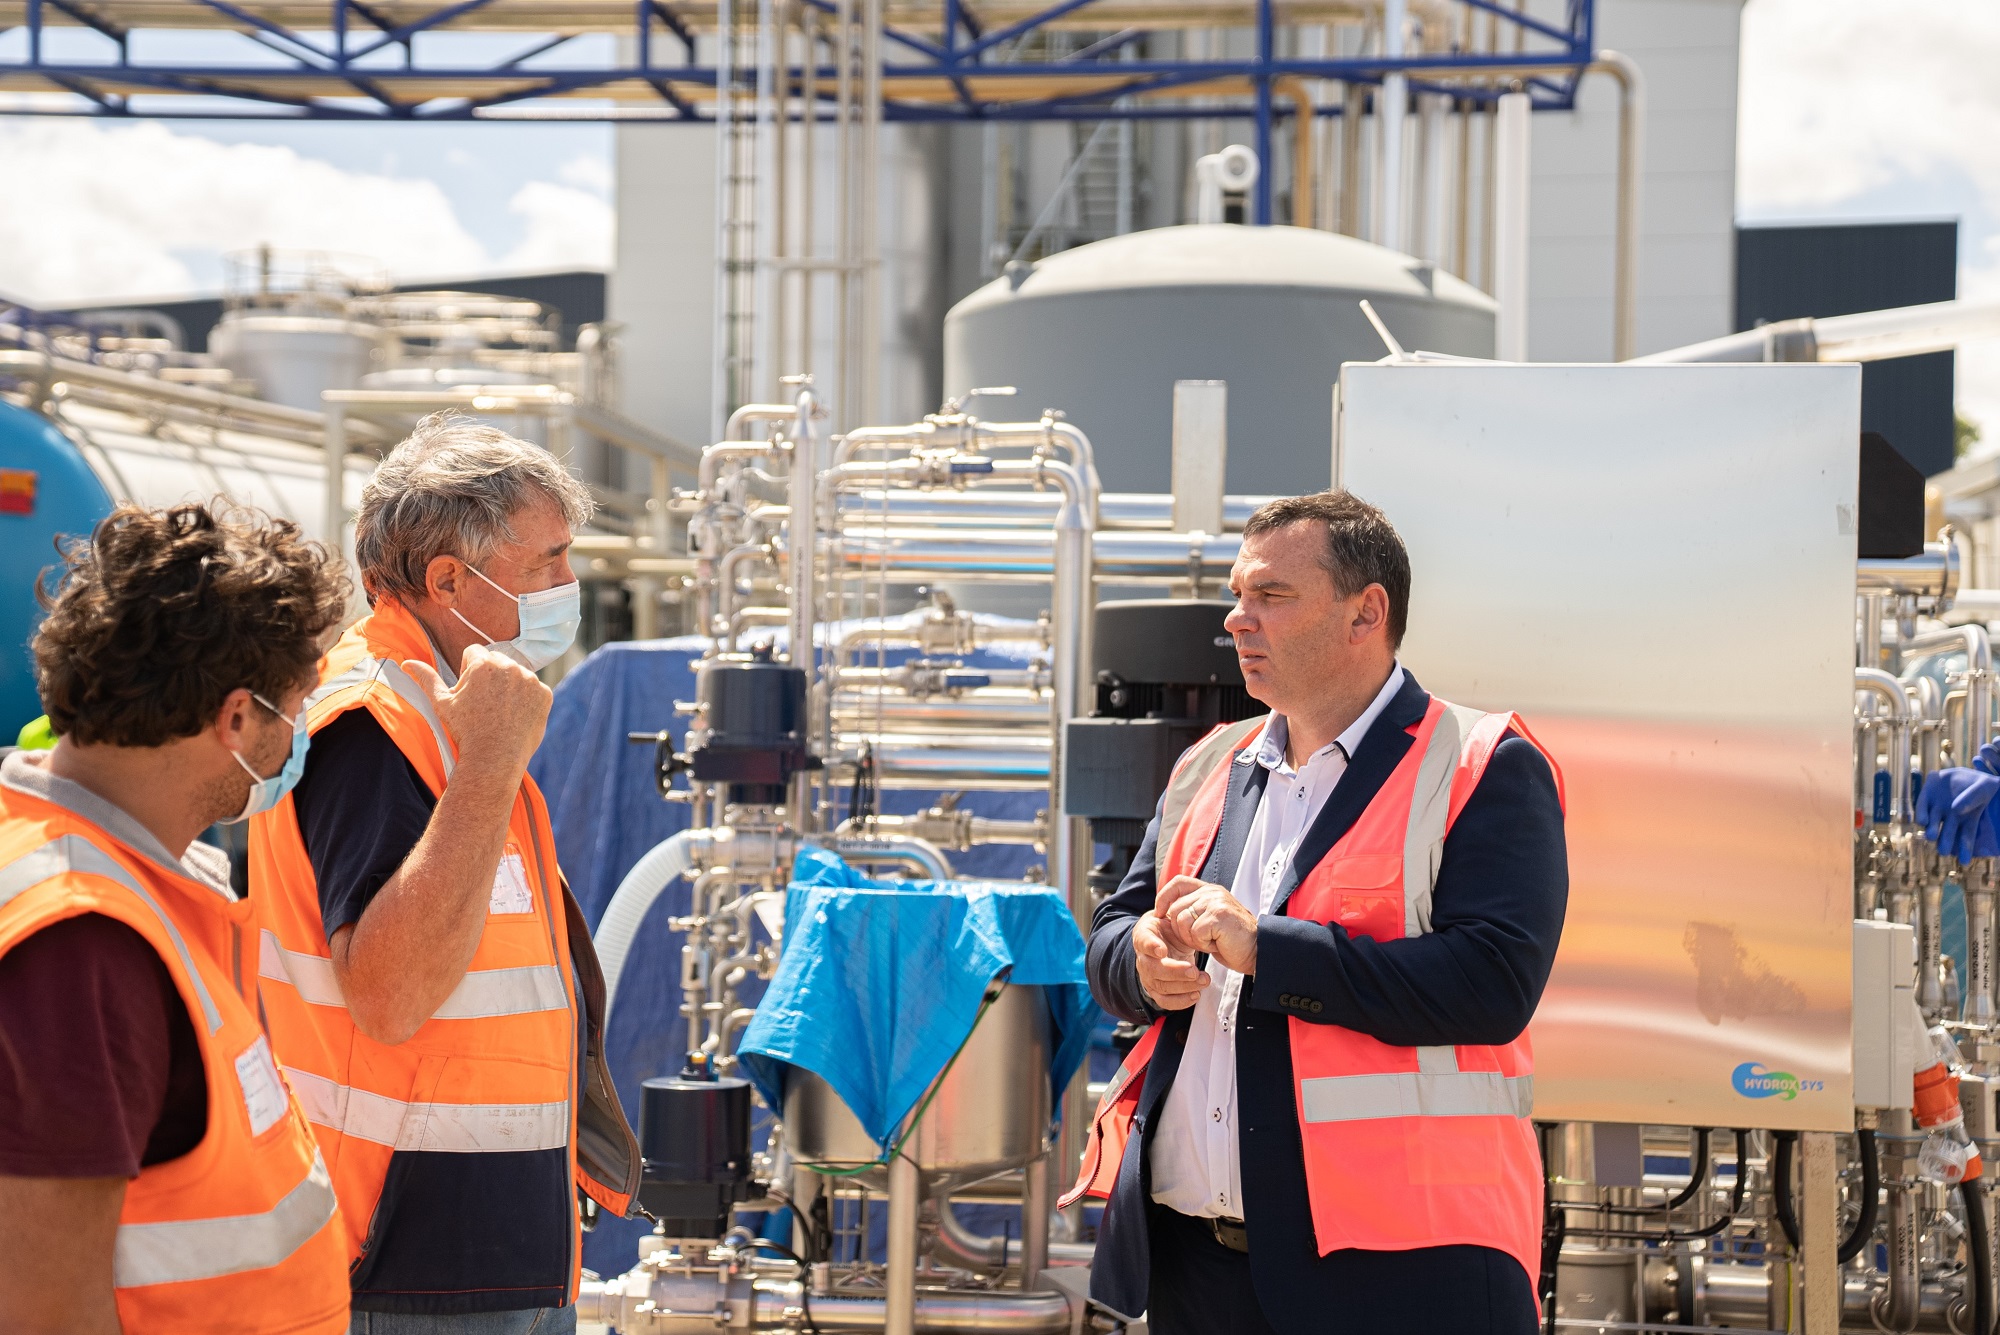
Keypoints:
pixel 100 1072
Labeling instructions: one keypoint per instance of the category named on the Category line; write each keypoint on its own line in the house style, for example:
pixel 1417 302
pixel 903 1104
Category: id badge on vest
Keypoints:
pixel 510 886
pixel 264 1097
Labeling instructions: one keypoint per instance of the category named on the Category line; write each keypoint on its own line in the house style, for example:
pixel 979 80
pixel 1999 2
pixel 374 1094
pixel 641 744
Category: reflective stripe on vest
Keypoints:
pixel 447 1128
pixel 1360 1098
pixel 396 678
pixel 74 853
pixel 480 994
pixel 188 1249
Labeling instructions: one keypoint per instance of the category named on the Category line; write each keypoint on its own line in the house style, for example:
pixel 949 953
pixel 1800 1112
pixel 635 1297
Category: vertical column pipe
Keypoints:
pixel 1510 225
pixel 1035 1198
pixel 1631 172
pixel 1978 882
pixel 1389 107
pixel 801 539
pixel 1896 1310
pixel 1266 53
pixel 334 516
pixel 905 1192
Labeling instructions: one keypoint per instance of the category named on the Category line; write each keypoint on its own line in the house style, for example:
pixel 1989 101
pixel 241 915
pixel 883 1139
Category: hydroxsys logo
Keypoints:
pixel 1753 1081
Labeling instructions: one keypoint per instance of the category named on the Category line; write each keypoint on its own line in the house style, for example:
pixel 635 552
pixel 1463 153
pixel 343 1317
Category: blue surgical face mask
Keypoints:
pixel 550 619
pixel 266 793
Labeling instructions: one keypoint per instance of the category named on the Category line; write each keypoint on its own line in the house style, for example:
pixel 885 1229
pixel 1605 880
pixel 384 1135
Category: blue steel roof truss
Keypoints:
pixel 966 59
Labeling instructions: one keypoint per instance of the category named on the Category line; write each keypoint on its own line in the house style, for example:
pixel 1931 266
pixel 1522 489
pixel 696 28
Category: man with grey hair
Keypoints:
pixel 429 983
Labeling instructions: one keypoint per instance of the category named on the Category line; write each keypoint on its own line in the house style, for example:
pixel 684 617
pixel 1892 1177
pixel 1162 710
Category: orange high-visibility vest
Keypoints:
pixel 236 1236
pixel 495 1070
pixel 1404 1147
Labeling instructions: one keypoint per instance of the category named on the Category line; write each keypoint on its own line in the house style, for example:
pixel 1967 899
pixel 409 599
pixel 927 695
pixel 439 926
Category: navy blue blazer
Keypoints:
pixel 1475 978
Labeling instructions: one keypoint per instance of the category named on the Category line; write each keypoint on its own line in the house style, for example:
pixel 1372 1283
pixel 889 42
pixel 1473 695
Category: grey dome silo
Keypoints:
pixel 1104 330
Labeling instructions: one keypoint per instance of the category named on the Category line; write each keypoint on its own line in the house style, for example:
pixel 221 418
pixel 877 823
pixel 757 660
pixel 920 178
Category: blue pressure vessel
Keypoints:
pixel 47 489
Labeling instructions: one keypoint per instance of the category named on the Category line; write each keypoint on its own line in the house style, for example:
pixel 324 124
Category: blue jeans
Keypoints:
pixel 532 1321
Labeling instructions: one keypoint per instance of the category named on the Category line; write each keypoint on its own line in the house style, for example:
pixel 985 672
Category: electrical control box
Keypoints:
pixel 1885 981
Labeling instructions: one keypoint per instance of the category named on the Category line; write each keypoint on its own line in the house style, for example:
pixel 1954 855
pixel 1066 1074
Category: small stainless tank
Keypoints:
pixel 990 1113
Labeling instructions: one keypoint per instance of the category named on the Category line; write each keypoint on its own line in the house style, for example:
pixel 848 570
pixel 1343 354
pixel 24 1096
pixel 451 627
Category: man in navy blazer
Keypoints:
pixel 1208 1229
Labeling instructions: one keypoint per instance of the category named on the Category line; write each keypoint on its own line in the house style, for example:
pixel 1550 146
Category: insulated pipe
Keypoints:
pixel 1934 575
pixel 1293 87
pixel 659 868
pixel 1510 226
pixel 1631 172
pixel 1902 717
pixel 1900 331
pixel 1390 105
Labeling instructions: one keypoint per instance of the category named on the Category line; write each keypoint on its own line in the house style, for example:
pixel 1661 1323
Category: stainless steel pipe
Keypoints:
pixel 1117 511
pixel 1888 691
pixel 775 1305
pixel 1972 641
pixel 1933 575
pixel 912 555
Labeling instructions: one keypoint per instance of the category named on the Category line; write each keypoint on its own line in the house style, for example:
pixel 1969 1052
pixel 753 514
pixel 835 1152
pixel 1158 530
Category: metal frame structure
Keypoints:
pixel 956 59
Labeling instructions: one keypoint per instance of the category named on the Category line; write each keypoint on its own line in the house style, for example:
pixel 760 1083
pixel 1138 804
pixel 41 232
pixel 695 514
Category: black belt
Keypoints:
pixel 1230 1233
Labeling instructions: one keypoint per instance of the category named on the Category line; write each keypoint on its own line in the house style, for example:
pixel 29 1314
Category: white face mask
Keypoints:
pixel 550 619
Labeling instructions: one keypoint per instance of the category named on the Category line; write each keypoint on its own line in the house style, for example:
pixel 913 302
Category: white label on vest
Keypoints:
pixel 510 887
pixel 263 1092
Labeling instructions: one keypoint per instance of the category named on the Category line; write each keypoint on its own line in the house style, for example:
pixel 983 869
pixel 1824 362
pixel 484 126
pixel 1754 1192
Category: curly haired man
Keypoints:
pixel 156 1173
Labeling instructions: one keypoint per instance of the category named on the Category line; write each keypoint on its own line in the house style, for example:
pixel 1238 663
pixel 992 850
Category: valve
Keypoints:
pixel 666 763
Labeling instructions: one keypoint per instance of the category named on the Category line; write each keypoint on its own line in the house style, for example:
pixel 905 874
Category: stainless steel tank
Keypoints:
pixel 292 356
pixel 990 1113
pixel 1104 330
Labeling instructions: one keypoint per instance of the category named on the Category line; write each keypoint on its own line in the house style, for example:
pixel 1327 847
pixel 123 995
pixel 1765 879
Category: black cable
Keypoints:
pixel 1697 1178
pixel 805 1278
pixel 1781 1186
pixel 1871 1194
pixel 1735 1196
pixel 1982 1260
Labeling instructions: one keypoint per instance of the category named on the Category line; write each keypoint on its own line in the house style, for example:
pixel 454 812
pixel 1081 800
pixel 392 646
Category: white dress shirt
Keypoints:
pixel 1194 1161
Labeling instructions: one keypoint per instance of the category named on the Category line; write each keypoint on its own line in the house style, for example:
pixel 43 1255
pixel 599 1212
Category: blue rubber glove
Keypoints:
pixel 1952 808
pixel 1988 759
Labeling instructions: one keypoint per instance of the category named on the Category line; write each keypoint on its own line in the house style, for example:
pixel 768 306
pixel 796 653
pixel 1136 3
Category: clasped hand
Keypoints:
pixel 1190 916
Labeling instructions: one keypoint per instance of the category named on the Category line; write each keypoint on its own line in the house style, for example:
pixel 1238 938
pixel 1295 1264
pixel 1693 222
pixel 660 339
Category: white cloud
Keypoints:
pixel 99 211
pixel 1856 108
pixel 566 228
pixel 1841 97
pixel 588 173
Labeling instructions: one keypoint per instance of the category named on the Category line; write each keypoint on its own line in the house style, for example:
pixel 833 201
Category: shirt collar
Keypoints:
pixel 203 863
pixel 1271 743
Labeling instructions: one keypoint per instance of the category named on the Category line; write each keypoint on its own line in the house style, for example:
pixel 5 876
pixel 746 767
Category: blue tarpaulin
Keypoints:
pixel 607 814
pixel 882 981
